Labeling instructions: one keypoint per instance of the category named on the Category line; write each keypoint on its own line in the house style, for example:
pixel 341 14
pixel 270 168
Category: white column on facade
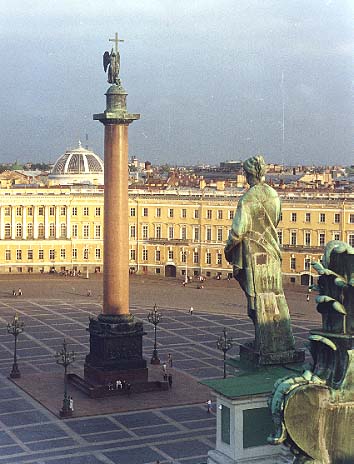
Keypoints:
pixel 68 222
pixel 24 222
pixel 46 221
pixel 57 225
pixel 13 223
pixel 35 222
pixel 2 223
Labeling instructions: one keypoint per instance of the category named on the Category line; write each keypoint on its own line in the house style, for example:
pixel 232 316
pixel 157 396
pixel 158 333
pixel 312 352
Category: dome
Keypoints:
pixel 77 166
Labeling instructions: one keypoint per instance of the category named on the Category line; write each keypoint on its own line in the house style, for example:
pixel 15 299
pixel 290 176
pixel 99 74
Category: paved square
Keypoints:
pixel 173 432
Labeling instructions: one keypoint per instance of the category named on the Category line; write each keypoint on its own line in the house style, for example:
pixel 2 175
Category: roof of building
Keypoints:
pixel 78 161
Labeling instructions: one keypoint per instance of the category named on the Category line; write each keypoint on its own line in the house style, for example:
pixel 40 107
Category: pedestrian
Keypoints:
pixel 307 297
pixel 169 358
pixel 170 380
pixel 208 403
pixel 191 309
pixel 71 403
pixel 89 293
pixel 14 293
pixel 164 368
pixel 19 292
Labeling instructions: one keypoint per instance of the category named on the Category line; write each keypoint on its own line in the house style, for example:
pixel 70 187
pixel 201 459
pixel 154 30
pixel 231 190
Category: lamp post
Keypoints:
pixel 154 317
pixel 15 327
pixel 224 344
pixel 65 358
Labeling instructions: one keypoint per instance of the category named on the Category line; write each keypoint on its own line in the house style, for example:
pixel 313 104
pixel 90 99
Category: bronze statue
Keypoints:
pixel 253 250
pixel 112 62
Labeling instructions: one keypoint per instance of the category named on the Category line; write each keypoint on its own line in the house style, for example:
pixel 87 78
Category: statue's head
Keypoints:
pixel 255 169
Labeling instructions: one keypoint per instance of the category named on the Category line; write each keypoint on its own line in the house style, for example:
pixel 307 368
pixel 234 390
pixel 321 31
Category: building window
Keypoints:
pixel 30 230
pixel 293 217
pixel 336 236
pixel 40 254
pixel 145 231
pixel 307 217
pixel 86 230
pixel 74 230
pixel 293 264
pixel 170 255
pixel 351 218
pixel 40 230
pixel 183 256
pixel 145 255
pixel 52 230
pixel 208 234
pixel 293 237
pixel 208 258
pixel 30 211
pixel 196 233
pixel 98 253
pixel 51 254
pixel 98 211
pixel 225 424
pixel 196 214
pixel 280 237
pixel 29 254
pixel 157 255
pixel 132 231
pixel 231 214
pixel 19 211
pixel 307 264
pixel 158 212
pixel 337 218
pixel 219 213
pixel 74 253
pixel 145 212
pixel 7 211
pixel 63 230
pixel 351 240
pixel 322 217
pixel 18 230
pixel 195 257
pixel 40 211
pixel 97 231
pixel 209 214
pixel 170 232
pixel 184 212
pixel 62 253
pixel 183 233
pixel 281 217
pixel 219 235
pixel 158 232
pixel 132 212
pixel 7 230
pixel 51 211
pixel 132 255
pixel 307 239
pixel 8 255
pixel 62 211
pixel 74 211
pixel 86 253
pixel 170 212
pixel 322 239
pixel 86 211
pixel 219 258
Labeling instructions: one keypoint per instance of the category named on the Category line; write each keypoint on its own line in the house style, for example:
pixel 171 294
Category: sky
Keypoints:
pixel 213 80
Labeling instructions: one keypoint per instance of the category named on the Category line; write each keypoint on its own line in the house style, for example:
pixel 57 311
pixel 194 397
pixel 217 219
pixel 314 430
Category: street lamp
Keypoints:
pixel 224 344
pixel 65 358
pixel 155 318
pixel 15 328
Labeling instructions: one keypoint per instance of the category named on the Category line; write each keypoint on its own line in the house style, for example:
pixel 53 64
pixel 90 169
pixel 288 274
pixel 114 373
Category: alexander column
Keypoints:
pixel 115 338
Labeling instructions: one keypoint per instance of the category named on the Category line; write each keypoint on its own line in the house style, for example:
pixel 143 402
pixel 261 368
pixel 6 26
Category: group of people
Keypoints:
pixel 167 376
pixel 18 293
pixel 120 385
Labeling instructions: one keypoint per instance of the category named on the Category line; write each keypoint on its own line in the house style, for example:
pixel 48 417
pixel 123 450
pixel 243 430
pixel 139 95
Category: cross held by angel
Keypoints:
pixel 111 61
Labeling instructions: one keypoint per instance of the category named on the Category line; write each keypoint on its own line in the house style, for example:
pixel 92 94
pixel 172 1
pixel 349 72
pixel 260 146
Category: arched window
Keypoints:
pixel 30 230
pixel 18 230
pixel 63 230
pixel 40 230
pixel 7 230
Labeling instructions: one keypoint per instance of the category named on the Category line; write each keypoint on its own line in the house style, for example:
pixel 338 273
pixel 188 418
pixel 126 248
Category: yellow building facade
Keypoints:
pixel 172 232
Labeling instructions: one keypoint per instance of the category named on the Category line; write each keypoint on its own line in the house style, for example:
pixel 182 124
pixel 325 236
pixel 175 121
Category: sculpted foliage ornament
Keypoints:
pixel 314 413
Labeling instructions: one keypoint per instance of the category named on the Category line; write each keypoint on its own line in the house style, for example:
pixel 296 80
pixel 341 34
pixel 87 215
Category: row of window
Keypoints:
pixel 172 235
pixel 52 229
pixel 183 213
pixel 183 256
pixel 322 217
pixel 322 240
pixel 51 210
pixel 52 254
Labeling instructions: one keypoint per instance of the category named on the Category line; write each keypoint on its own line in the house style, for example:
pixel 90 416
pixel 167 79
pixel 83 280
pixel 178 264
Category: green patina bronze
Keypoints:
pixel 253 250
pixel 313 413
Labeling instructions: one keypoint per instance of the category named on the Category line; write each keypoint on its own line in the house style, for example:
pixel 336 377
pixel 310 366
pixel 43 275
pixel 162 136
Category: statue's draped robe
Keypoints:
pixel 253 249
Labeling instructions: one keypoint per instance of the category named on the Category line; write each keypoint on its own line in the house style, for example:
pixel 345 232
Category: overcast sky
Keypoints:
pixel 205 75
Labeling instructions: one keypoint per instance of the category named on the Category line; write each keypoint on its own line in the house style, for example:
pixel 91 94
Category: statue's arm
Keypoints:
pixel 238 228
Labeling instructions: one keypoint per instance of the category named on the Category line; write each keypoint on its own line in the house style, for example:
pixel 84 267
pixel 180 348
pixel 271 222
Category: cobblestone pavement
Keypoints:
pixel 29 433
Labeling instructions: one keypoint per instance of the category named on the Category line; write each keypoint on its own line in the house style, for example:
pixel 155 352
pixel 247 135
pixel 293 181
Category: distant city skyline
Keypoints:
pixel 213 80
